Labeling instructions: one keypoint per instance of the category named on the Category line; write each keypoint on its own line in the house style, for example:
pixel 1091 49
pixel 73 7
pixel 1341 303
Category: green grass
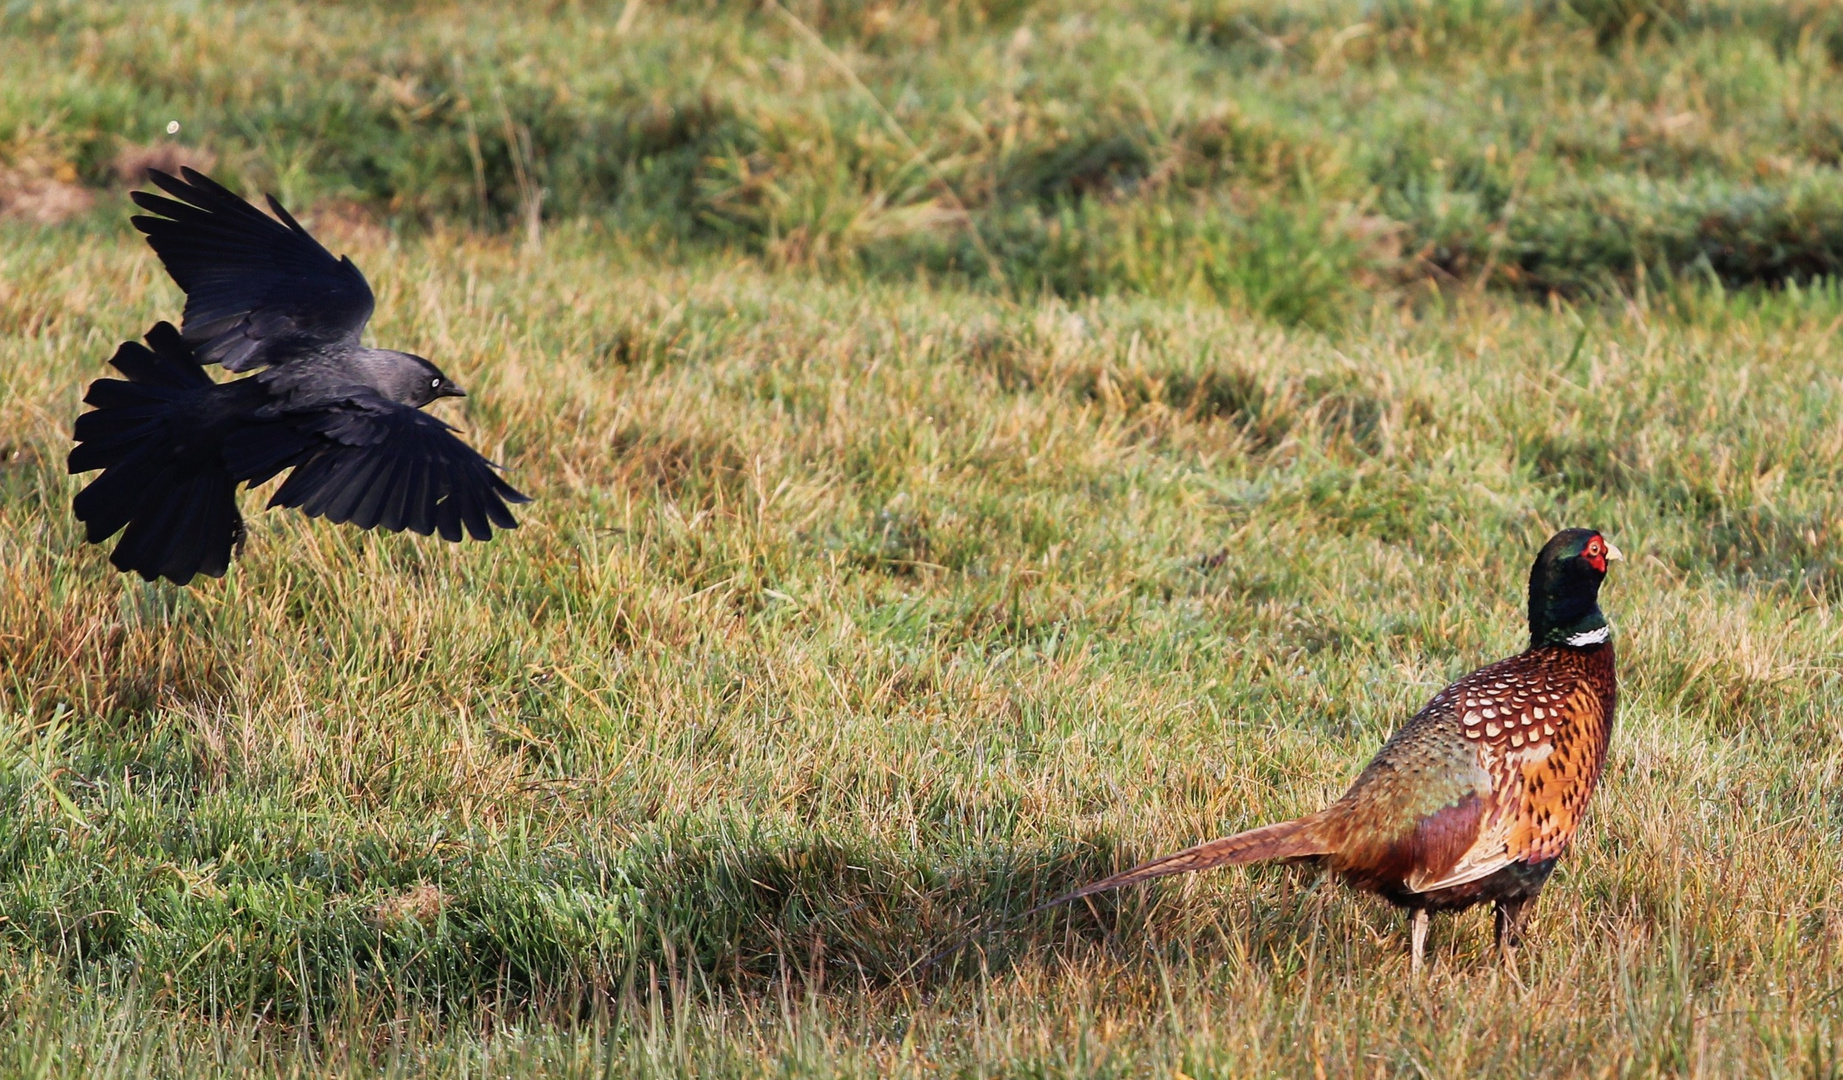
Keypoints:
pixel 869 594
pixel 1288 159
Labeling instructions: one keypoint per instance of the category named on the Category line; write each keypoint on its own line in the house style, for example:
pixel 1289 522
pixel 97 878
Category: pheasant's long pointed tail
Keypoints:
pixel 1286 840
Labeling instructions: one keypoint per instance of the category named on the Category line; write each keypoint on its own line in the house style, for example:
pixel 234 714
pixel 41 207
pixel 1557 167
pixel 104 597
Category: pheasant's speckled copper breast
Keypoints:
pixel 1542 728
pixel 1496 770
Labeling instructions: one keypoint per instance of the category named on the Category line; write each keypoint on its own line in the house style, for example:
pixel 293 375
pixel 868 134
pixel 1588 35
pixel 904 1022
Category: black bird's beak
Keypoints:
pixel 451 390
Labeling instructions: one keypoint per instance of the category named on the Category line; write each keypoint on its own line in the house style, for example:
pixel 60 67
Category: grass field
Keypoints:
pixel 1080 432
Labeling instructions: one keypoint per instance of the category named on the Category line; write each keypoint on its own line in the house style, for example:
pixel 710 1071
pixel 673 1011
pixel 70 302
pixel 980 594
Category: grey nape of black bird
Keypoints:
pixel 173 443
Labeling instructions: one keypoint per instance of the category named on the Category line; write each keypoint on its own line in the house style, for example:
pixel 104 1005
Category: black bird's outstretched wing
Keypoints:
pixel 378 464
pixel 258 290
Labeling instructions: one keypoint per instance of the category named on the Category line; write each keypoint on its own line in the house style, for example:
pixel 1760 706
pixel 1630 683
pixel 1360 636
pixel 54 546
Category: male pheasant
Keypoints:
pixel 1476 797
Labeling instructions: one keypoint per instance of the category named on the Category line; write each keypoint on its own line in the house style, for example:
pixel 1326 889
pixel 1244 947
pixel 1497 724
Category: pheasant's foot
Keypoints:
pixel 1417 939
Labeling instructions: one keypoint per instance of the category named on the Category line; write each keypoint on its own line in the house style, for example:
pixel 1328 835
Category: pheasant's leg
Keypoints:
pixel 1512 919
pixel 1417 939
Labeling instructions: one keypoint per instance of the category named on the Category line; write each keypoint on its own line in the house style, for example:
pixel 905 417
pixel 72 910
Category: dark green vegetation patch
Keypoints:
pixel 1285 158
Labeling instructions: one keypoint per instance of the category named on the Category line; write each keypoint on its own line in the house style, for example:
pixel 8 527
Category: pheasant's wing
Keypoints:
pixel 378 464
pixel 1488 854
pixel 258 290
pixel 1417 807
pixel 1540 731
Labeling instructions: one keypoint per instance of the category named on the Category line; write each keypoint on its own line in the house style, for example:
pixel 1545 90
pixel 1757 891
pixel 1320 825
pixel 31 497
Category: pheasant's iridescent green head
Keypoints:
pixel 1564 589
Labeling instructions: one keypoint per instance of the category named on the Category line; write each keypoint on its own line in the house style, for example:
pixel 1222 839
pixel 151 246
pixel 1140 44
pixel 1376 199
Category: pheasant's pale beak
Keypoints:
pixel 1613 554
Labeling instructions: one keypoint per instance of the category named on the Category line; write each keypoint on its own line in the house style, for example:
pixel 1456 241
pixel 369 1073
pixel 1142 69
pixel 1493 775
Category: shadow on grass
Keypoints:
pixel 560 935
pixel 752 917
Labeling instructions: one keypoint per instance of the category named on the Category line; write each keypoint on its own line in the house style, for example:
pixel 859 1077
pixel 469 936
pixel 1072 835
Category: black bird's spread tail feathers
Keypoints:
pixel 178 507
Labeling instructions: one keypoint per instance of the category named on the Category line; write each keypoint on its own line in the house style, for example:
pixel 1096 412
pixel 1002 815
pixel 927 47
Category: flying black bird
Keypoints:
pixel 173 443
pixel 1475 798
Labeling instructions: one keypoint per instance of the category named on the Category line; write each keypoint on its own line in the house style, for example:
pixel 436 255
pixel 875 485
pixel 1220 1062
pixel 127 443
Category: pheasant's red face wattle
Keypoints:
pixel 1595 554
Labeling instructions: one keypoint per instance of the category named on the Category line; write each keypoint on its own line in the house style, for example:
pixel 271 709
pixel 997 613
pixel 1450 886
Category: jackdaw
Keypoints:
pixel 173 443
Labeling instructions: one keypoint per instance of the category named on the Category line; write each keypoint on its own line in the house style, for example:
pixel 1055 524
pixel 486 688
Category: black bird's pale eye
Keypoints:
pixel 435 384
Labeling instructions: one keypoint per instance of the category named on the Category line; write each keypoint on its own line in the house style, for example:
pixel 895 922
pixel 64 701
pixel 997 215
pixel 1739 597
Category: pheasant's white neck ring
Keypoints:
pixel 1591 637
